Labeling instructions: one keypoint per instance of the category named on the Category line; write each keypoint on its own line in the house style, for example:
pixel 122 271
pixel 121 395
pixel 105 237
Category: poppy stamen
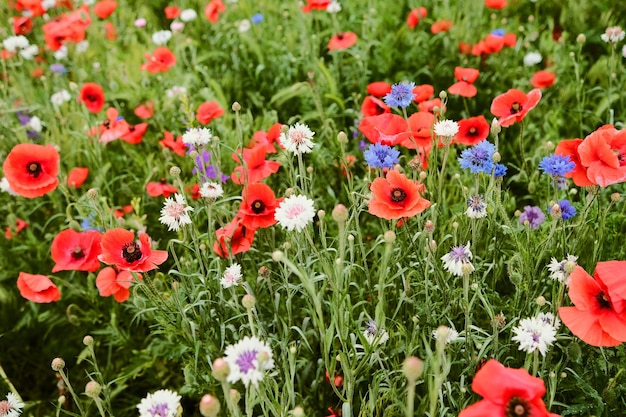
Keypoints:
pixel 398 195
pixel 131 252
pixel 472 131
pixel 258 206
pixel 516 108
pixel 603 301
pixel 78 253
pixel 34 168
pixel 517 407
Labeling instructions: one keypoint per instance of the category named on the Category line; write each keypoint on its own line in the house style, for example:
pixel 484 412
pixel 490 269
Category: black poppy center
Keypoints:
pixel 603 301
pixel 34 168
pixel 258 206
pixel 340 36
pixel 516 108
pixel 517 407
pixel 91 97
pixel 472 131
pixel 78 253
pixel 131 252
pixel 397 195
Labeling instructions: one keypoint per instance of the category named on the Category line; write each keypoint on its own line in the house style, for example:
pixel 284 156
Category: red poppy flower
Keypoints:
pixel 104 8
pixel 110 32
pixel 543 79
pixel 569 147
pixel 440 26
pixel 110 282
pixel 257 207
pixel 113 128
pixel 256 167
pixel 33 7
pixel 373 106
pixel 145 111
pixel 266 140
pixel 31 169
pixel 315 4
pixel 421 127
pixel 119 213
pixel 465 78
pixel 22 25
pixel 77 177
pixel 194 191
pixel 494 43
pixel 396 196
pixel 172 12
pixel 76 251
pixel 603 153
pixel 430 105
pixel 342 40
pixel 120 248
pixel 423 92
pixel 597 317
pixel 162 60
pixel 208 111
pixel 465 48
pixel 495 4
pixel 510 40
pixel 19 226
pixel 213 9
pixel 134 133
pixel 379 88
pixel 92 95
pixel 233 238
pixel 387 129
pixel 472 130
pixel 65 28
pixel 507 391
pixel 415 16
pixel 177 145
pixel 37 288
pixel 156 189
pixel 514 105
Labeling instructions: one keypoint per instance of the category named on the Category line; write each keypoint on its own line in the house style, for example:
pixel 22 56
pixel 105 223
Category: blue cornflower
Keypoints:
pixel 256 18
pixel 58 68
pixel 567 210
pixel 500 171
pixel 381 156
pixel 533 215
pixel 557 165
pixel 401 95
pixel 498 32
pixel 479 158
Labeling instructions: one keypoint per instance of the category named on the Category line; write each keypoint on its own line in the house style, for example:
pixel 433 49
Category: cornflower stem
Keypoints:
pixel 234 410
pixel 446 152
pixel 610 89
pixel 535 362
pixel 303 178
pixel 410 399
pixel 6 379
pixel 496 334
pixel 598 247
pixel 251 322
pixel 521 146
pixel 101 381
pixel 71 390
pixel 466 279
pixel 382 277
pixel 98 402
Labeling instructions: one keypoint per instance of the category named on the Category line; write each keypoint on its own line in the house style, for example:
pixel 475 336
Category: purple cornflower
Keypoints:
pixel 534 215
pixel 362 145
pixel 58 68
pixel 204 167
pixel 479 158
pixel 381 156
pixel 401 95
pixel 557 165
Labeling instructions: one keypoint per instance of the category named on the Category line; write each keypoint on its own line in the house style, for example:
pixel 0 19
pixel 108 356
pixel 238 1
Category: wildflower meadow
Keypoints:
pixel 312 208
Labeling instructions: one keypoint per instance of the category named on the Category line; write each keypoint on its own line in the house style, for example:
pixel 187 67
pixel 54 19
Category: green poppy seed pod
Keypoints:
pixel 412 368
pixel 57 364
pixel 93 389
pixel 221 369
pixel 209 406
pixel 88 340
pixel 340 213
pixel 342 137
pixel 236 106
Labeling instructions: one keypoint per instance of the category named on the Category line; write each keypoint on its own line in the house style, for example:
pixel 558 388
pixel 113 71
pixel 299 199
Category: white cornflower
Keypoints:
pixel 161 37
pixel 175 212
pixel 60 53
pixel 532 58
pixel 211 190
pixel 613 34
pixel 188 15
pixel 82 46
pixel 29 52
pixel 89 2
pixel 298 139
pixel 561 270
pixel 60 97
pixel 534 334
pixel 549 319
pixel 176 91
pixel 446 128
pixel 11 406
pixel 13 43
pixel 248 359
pixel 232 276
pixel 374 335
pixel 333 7
pixel 5 187
pixel 476 207
pixel 161 403
pixel 244 25
pixel 177 26
pixel 48 4
pixel 34 124
pixel 446 334
pixel 295 212
pixel 458 260
pixel 197 136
